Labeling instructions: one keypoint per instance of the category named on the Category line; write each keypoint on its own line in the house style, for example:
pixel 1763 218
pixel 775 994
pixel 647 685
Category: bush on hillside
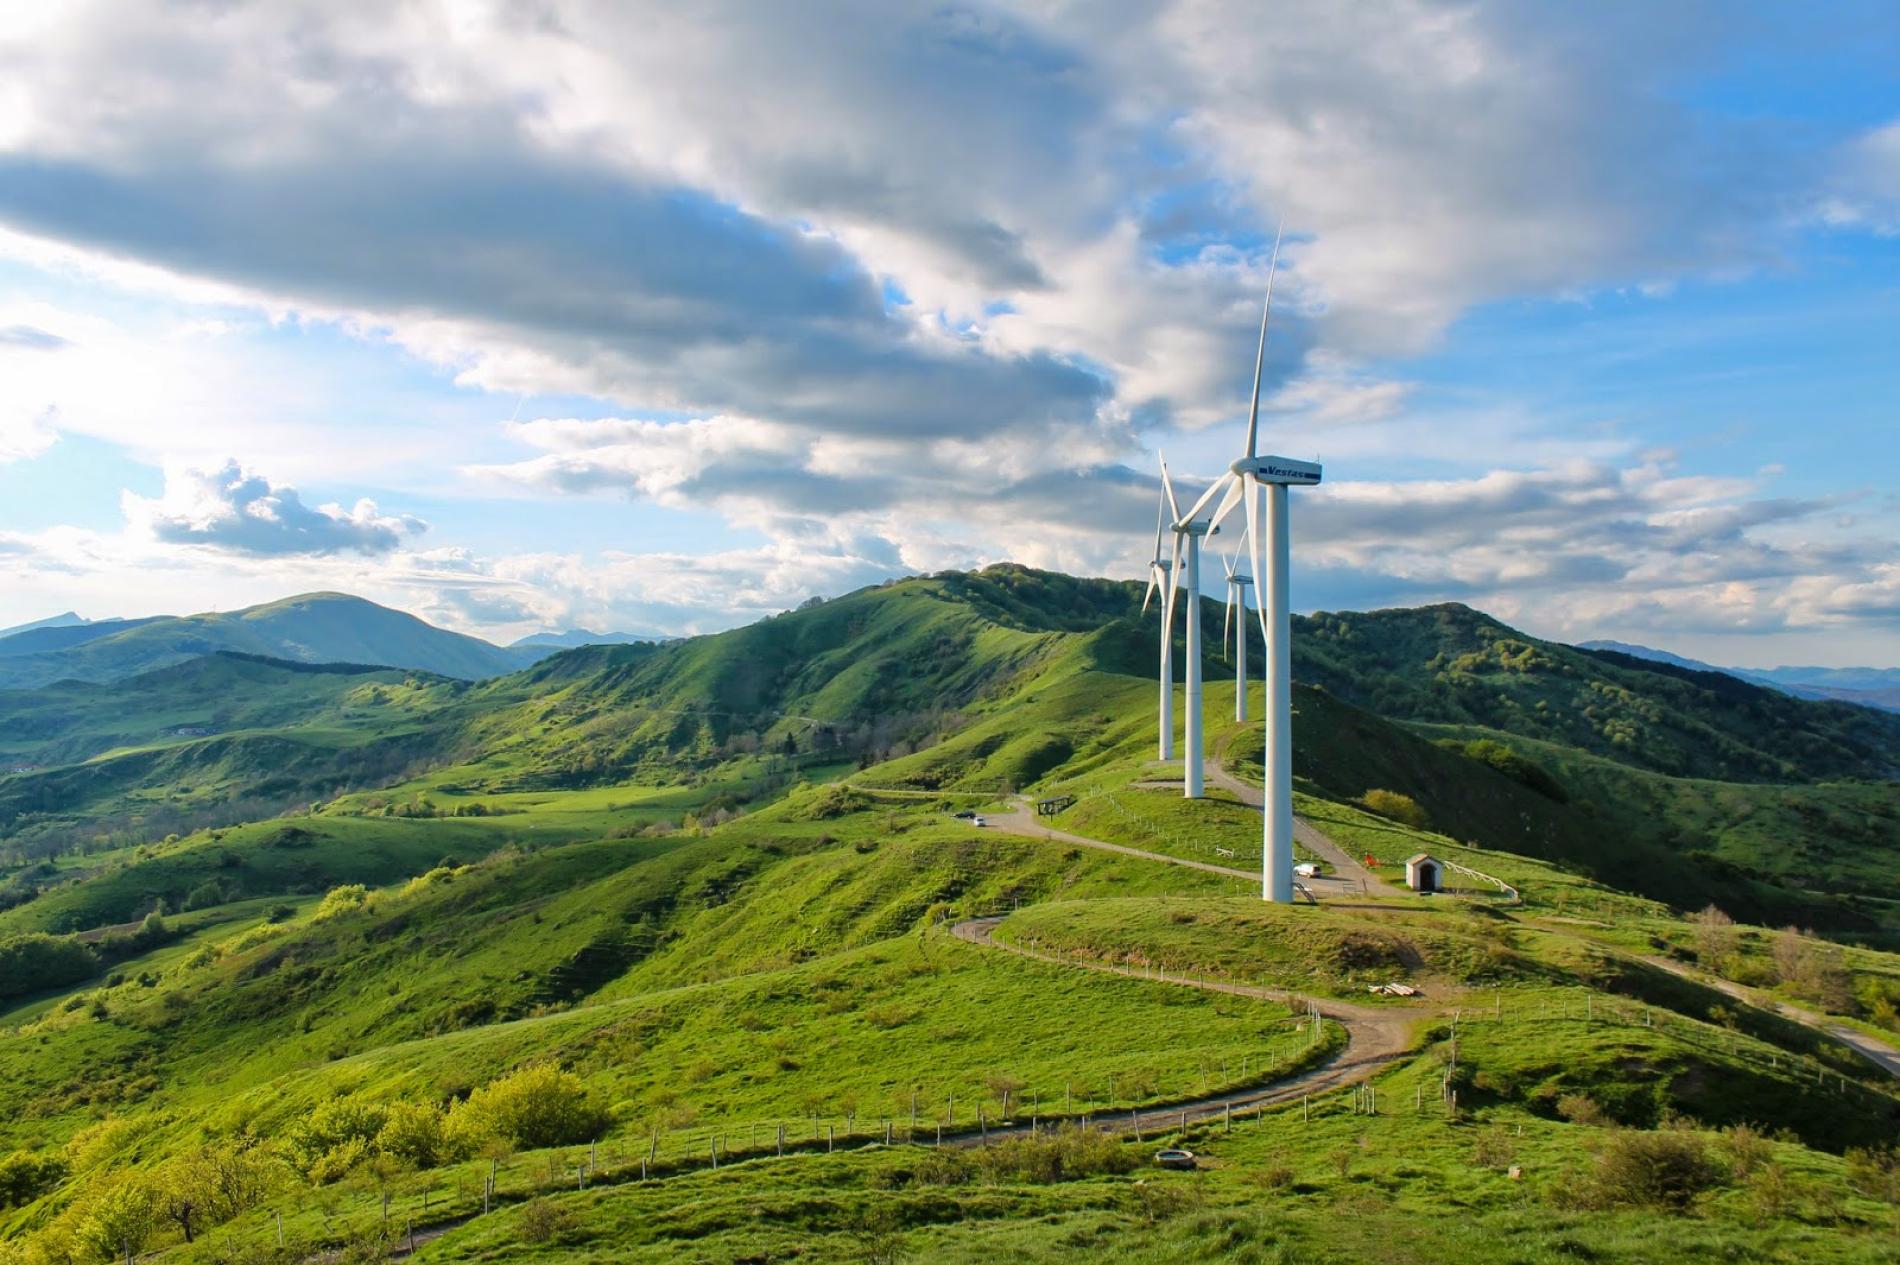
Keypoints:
pixel 1065 1155
pixel 208 894
pixel 341 900
pixel 26 1175
pixel 413 1133
pixel 332 1138
pixel 34 962
pixel 1396 807
pixel 1667 1168
pixel 540 1105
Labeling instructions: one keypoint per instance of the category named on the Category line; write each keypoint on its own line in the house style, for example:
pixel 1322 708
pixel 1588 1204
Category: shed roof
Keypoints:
pixel 1423 856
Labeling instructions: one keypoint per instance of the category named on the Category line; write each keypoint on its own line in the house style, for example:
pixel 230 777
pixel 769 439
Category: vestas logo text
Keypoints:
pixel 1284 472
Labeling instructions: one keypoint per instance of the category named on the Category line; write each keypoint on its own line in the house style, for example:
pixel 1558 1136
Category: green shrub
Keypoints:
pixel 543 1220
pixel 1065 1155
pixel 338 1162
pixel 1664 1169
pixel 1396 807
pixel 1582 1109
pixel 207 895
pixel 413 1133
pixel 341 900
pixel 333 1125
pixel 540 1105
pixel 1875 1172
pixel 26 1175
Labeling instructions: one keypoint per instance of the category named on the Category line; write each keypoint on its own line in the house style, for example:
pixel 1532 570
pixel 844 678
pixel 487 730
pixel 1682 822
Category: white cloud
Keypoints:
pixel 913 294
pixel 232 509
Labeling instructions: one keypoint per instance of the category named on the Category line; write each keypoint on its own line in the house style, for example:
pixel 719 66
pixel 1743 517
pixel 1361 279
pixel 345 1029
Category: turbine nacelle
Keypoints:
pixel 1287 470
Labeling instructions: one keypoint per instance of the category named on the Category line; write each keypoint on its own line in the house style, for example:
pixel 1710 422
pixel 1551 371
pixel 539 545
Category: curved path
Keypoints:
pixel 1022 821
pixel 1875 1051
pixel 1374 1038
pixel 1306 835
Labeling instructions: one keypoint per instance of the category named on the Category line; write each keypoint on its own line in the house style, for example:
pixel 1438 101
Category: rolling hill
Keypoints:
pixel 676 952
pixel 311 628
pixel 1687 786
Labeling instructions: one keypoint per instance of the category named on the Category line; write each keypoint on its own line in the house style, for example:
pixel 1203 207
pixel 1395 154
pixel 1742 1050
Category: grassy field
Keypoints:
pixel 713 884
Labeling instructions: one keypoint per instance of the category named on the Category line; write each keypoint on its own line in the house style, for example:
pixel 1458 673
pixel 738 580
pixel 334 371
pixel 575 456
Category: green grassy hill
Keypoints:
pixel 1451 665
pixel 584 929
pixel 311 628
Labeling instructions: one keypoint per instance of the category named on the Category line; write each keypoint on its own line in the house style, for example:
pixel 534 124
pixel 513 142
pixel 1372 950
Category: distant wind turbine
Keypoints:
pixel 1161 576
pixel 1234 632
pixel 1188 533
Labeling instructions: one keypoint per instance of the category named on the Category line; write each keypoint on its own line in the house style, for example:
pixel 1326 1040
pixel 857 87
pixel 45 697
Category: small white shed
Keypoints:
pixel 1424 873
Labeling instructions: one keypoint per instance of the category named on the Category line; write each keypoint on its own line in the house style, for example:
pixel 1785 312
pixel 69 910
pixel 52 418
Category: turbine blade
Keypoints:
pixel 1260 356
pixel 1228 502
pixel 1167 486
pixel 1174 582
pixel 1255 552
pixel 1214 489
pixel 1149 595
pixel 1227 620
pixel 1161 518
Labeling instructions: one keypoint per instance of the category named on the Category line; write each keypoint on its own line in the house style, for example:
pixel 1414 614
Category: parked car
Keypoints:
pixel 965 815
pixel 978 821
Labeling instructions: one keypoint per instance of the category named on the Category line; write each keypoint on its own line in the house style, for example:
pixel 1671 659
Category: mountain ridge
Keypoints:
pixel 307 627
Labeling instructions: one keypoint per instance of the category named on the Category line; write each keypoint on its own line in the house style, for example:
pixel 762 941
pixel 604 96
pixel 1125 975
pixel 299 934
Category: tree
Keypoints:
pixel 118 1217
pixel 1715 937
pixel 26 1175
pixel 33 962
pixel 210 1185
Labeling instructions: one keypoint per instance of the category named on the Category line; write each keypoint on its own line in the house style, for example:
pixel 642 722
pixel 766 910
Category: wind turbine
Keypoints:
pixel 1234 633
pixel 1188 532
pixel 1161 576
pixel 1271 557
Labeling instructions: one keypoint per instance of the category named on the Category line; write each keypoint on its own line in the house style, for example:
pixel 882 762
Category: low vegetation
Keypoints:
pixel 673 952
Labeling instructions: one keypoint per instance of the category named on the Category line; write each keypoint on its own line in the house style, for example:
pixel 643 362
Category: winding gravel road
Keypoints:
pixel 1374 1038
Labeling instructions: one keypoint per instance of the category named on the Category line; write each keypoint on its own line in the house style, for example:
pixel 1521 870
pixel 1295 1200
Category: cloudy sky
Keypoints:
pixel 529 314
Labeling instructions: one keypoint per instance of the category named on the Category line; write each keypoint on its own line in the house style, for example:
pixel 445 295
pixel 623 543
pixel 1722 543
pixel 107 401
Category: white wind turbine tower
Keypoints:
pixel 1234 632
pixel 1188 532
pixel 1161 576
pixel 1271 562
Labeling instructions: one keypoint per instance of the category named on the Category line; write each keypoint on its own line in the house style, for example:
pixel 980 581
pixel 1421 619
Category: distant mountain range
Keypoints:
pixel 574 637
pixel 310 628
pixel 1868 687
pixel 65 620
